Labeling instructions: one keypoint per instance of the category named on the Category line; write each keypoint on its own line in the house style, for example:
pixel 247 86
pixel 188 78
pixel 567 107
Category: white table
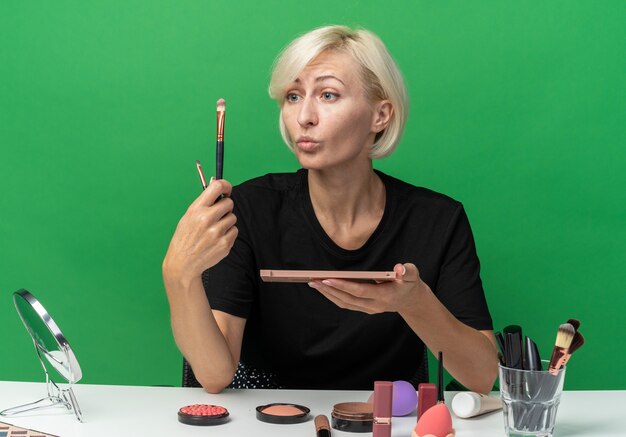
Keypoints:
pixel 151 412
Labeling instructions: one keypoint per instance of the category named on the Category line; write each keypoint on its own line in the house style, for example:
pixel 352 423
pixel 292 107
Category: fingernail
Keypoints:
pixel 314 285
pixel 211 180
pixel 327 282
pixel 403 270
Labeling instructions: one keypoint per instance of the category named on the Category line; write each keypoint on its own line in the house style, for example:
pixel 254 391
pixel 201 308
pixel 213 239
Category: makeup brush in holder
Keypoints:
pixel 577 342
pixel 564 338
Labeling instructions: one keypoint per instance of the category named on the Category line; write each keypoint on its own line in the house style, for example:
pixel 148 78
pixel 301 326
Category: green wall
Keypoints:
pixel 518 110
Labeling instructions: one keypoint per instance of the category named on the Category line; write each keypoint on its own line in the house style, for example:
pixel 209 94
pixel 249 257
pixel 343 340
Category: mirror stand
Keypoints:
pixel 57 397
pixel 52 347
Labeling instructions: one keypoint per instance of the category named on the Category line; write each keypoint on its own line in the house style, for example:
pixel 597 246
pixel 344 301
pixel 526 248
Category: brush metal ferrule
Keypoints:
pixel 221 116
pixel 556 360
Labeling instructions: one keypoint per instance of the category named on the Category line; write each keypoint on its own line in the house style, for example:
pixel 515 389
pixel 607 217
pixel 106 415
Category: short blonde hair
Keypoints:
pixel 380 75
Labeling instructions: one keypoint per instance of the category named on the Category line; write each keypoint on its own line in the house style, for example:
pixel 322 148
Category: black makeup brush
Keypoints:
pixel 437 419
pixel 513 345
pixel 501 347
pixel 219 148
pixel 440 398
pixel 532 361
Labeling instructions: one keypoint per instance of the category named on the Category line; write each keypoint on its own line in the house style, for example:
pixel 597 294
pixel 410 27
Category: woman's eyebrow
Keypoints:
pixel 321 79
pixel 328 76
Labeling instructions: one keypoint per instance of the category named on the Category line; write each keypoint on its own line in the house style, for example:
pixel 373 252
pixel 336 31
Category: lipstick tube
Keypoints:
pixel 383 396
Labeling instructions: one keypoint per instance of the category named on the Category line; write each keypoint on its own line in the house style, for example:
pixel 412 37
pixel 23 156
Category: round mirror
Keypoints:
pixel 48 338
pixel 52 348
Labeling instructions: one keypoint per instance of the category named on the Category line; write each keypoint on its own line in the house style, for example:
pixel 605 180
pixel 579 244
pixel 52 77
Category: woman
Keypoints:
pixel 343 103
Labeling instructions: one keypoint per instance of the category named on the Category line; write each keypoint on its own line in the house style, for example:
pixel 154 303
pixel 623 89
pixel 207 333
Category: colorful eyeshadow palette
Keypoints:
pixel 8 430
pixel 202 415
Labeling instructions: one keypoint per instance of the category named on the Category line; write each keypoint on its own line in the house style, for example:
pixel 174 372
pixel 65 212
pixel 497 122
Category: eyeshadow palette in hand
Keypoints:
pixel 318 275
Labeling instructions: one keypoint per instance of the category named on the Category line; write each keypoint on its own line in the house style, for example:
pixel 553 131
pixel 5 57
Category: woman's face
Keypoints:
pixel 327 114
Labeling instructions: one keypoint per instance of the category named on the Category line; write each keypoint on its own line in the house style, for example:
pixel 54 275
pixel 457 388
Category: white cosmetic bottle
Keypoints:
pixel 467 404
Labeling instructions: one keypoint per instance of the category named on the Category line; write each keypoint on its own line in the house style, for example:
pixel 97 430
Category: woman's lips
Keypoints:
pixel 307 145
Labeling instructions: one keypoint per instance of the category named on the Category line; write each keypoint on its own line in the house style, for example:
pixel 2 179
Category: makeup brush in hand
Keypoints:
pixel 564 338
pixel 219 147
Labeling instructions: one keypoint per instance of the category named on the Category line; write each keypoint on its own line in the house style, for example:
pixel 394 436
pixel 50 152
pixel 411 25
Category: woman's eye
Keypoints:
pixel 329 96
pixel 292 97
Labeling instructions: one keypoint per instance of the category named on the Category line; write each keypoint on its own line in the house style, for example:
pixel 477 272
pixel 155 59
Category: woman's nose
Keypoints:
pixel 308 113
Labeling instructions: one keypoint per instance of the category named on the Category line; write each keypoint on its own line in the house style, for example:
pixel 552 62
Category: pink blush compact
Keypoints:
pixel 203 415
